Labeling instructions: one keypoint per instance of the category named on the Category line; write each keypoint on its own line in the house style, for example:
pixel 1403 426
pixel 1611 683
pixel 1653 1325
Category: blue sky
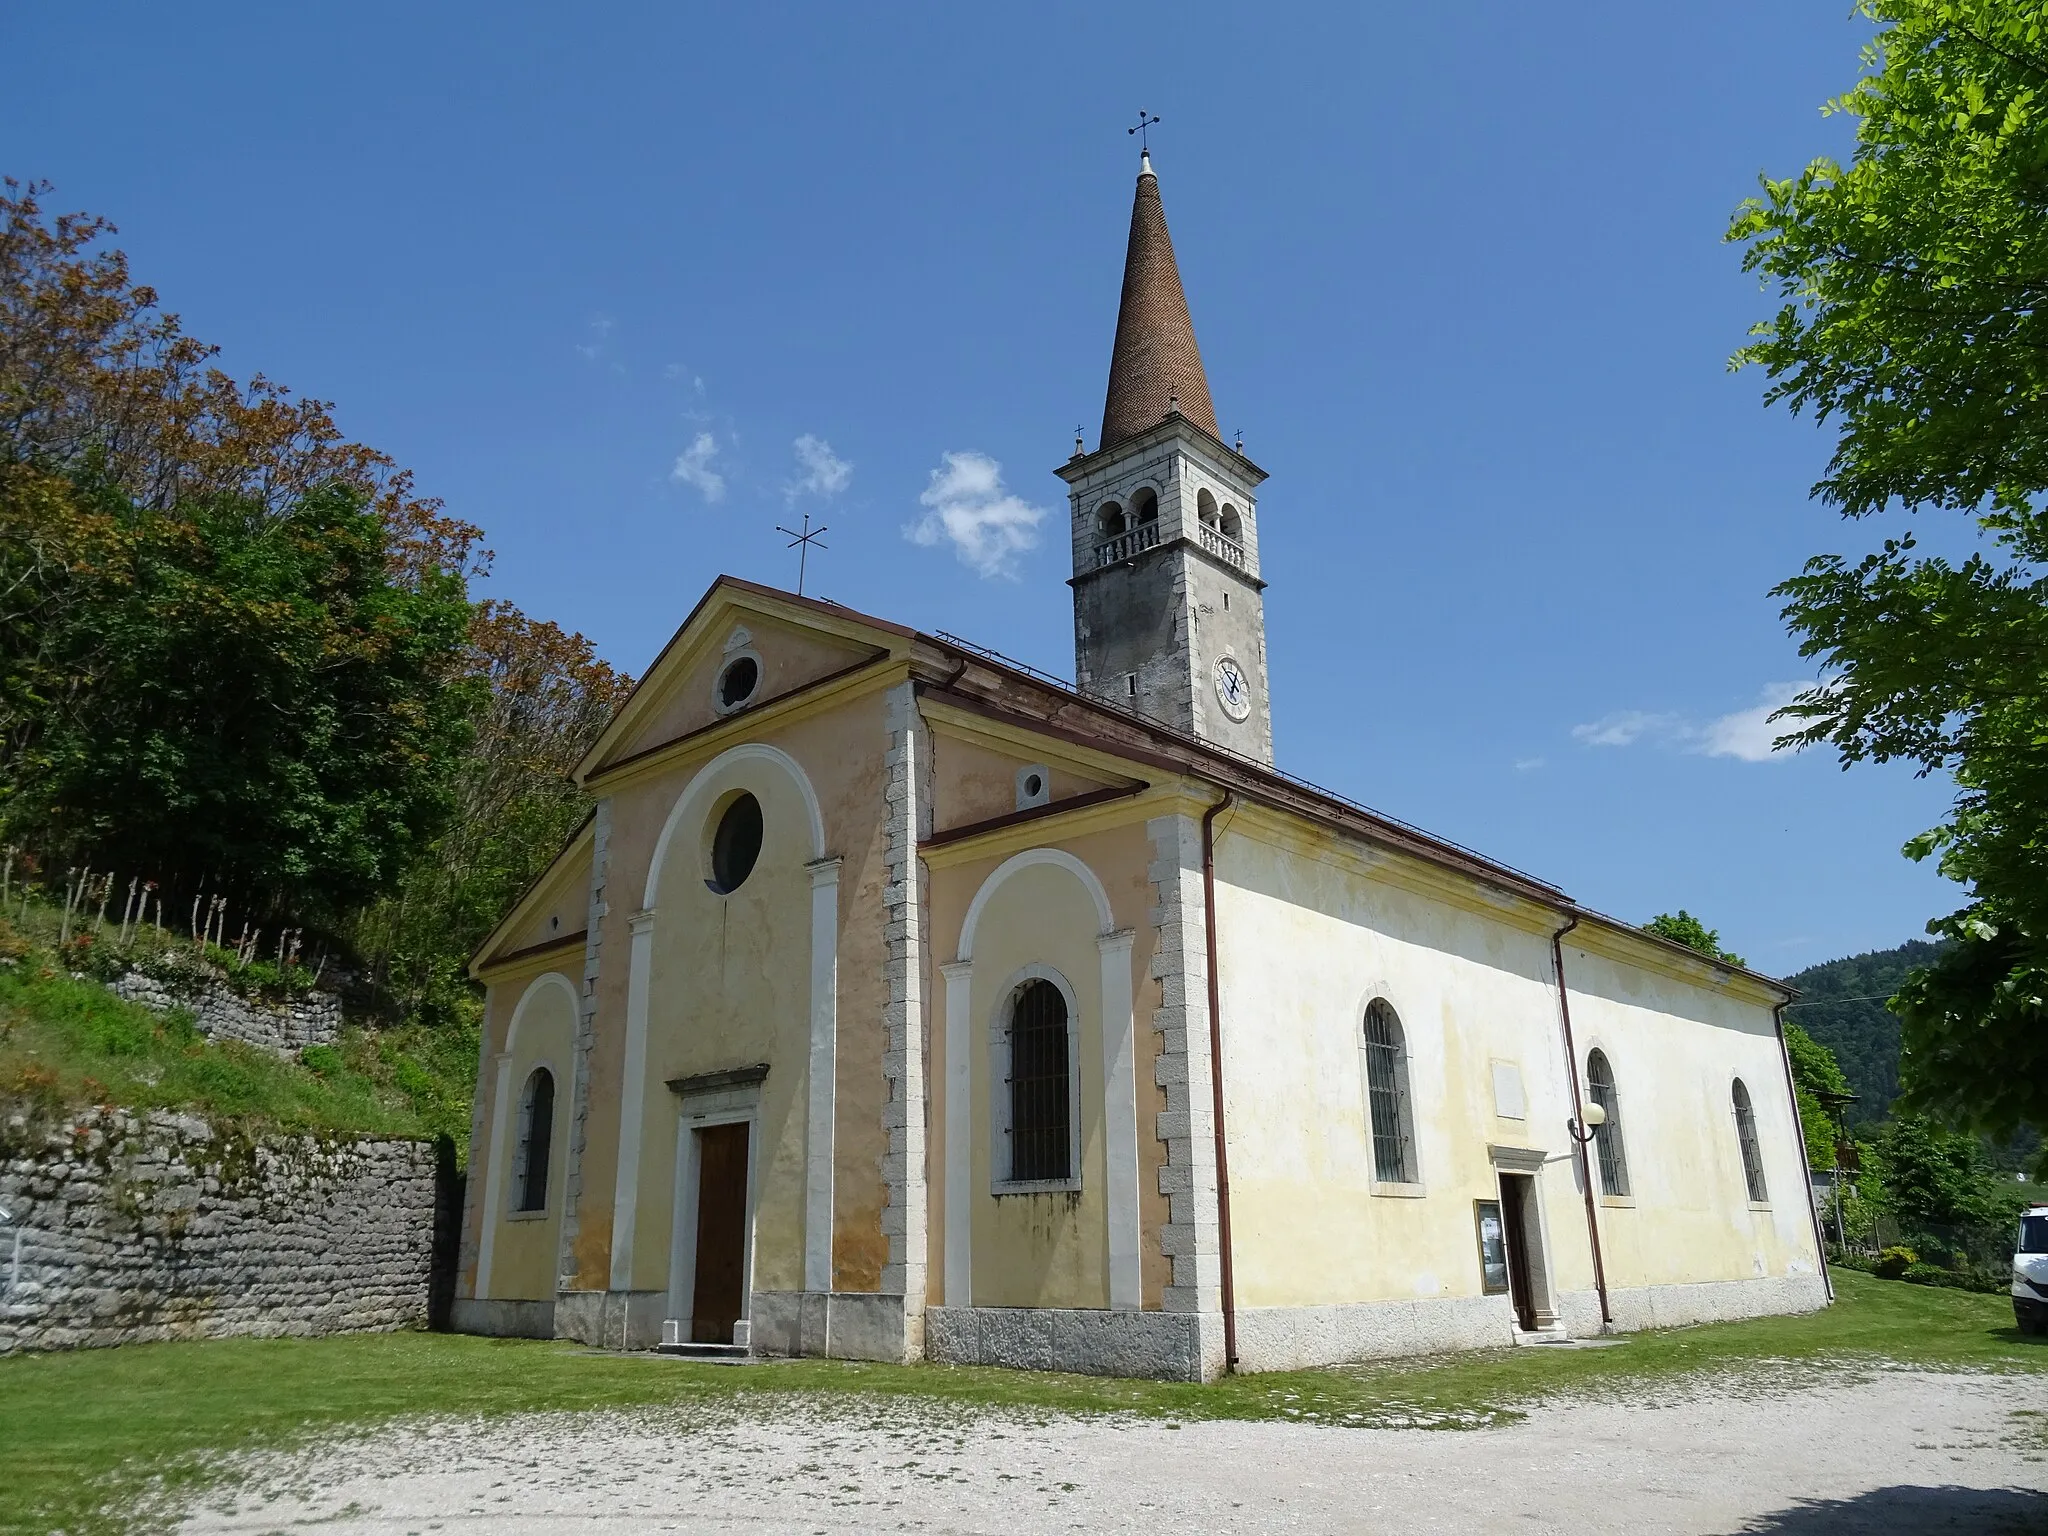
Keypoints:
pixel 629 286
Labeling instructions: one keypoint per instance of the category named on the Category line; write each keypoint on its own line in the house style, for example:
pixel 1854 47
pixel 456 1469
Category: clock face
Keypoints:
pixel 1233 688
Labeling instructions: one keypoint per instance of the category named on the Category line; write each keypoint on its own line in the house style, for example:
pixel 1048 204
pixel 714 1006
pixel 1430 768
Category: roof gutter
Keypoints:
pixel 1579 1137
pixel 1820 1241
pixel 1216 1075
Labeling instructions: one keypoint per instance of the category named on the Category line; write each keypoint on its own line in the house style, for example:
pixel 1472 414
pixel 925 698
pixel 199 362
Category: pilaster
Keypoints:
pixel 632 1099
pixel 824 1075
pixel 586 1039
pixel 904 1021
pixel 1190 1238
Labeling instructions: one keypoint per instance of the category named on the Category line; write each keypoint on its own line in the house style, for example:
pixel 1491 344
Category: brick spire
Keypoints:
pixel 1156 359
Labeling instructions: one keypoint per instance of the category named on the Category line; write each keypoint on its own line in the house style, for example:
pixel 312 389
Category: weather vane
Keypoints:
pixel 1144 122
pixel 803 541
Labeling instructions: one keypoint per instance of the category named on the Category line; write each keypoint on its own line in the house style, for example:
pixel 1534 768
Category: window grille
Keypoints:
pixel 1386 1081
pixel 1040 1139
pixel 536 1136
pixel 1607 1136
pixel 1752 1150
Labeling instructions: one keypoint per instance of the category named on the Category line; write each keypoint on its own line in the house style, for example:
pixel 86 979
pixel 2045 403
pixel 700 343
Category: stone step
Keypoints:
pixel 731 1352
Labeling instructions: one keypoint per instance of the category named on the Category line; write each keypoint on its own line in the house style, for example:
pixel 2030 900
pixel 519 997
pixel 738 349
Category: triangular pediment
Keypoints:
pixel 553 913
pixel 744 646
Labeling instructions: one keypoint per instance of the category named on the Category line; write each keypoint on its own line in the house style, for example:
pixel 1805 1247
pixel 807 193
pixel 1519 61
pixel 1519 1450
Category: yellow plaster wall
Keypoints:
pixel 1676 1050
pixel 730 986
pixel 500 998
pixel 524 1246
pixel 560 906
pixel 1307 938
pixel 790 657
pixel 1045 1250
pixel 972 781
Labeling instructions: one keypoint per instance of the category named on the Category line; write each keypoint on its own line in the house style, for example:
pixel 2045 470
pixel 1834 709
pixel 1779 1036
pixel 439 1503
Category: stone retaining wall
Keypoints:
pixel 156 1227
pixel 312 1018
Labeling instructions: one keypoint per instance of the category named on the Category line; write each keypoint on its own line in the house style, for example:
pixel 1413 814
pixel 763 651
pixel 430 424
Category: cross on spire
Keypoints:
pixel 803 541
pixel 1144 123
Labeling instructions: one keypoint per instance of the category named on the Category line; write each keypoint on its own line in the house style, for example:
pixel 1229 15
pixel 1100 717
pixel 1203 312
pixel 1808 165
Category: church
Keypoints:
pixel 899 1002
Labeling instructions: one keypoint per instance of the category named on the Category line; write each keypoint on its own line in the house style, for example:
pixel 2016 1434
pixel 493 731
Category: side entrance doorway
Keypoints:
pixel 718 1297
pixel 1528 1268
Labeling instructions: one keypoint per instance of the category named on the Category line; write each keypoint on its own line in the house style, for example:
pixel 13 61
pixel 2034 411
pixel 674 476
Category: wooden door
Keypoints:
pixel 1516 1217
pixel 721 1233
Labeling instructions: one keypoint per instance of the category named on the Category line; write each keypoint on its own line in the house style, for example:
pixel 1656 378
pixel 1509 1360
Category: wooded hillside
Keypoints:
pixel 1842 1005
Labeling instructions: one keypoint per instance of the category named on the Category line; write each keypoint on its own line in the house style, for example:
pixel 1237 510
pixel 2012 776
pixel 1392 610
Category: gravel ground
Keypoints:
pixel 1901 1452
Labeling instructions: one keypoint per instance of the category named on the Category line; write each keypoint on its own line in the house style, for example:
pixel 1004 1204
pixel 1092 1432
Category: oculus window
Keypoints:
pixel 738 681
pixel 736 844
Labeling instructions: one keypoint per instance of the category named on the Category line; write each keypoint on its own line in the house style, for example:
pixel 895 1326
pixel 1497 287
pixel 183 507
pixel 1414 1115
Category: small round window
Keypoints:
pixel 736 684
pixel 736 845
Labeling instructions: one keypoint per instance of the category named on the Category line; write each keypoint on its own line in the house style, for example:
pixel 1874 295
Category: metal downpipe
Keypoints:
pixel 1571 1061
pixel 1820 1241
pixel 1216 1076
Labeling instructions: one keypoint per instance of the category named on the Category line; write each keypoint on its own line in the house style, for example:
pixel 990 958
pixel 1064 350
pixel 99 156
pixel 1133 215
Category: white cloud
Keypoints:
pixel 987 526
pixel 1748 733
pixel 824 472
pixel 1624 728
pixel 600 328
pixel 693 468
pixel 1527 764
pixel 1745 734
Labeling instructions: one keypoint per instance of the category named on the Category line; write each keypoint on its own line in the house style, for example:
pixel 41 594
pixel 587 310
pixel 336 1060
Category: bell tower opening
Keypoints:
pixel 1169 607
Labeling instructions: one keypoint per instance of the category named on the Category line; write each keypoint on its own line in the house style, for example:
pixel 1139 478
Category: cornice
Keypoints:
pixel 800 703
pixel 999 842
pixel 988 725
pixel 533 957
pixel 577 842
pixel 1375 862
pixel 1611 939
pixel 1228 460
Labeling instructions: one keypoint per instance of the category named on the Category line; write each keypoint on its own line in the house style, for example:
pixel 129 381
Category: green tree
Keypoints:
pixel 1815 1075
pixel 1913 282
pixel 1681 927
pixel 259 703
pixel 1932 1180
pixel 549 696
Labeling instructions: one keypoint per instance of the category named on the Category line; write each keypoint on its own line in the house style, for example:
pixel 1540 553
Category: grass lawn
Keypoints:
pixel 82 1433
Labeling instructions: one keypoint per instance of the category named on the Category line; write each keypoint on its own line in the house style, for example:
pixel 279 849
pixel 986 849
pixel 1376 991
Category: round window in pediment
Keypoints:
pixel 738 681
pixel 736 844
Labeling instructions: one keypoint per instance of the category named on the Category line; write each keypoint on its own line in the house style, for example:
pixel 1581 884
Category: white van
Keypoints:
pixel 2030 1272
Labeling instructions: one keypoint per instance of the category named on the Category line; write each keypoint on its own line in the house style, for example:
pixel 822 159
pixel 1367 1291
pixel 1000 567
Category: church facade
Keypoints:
pixel 898 1002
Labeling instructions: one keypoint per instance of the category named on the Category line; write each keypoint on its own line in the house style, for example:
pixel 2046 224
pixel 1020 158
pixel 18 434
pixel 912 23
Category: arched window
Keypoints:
pixel 1386 1085
pixel 536 1136
pixel 1752 1150
pixel 1229 523
pixel 1109 522
pixel 1205 508
pixel 1145 507
pixel 1041 1142
pixel 1607 1135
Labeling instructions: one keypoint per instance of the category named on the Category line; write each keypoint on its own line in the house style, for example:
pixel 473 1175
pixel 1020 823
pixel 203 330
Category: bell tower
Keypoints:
pixel 1169 610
